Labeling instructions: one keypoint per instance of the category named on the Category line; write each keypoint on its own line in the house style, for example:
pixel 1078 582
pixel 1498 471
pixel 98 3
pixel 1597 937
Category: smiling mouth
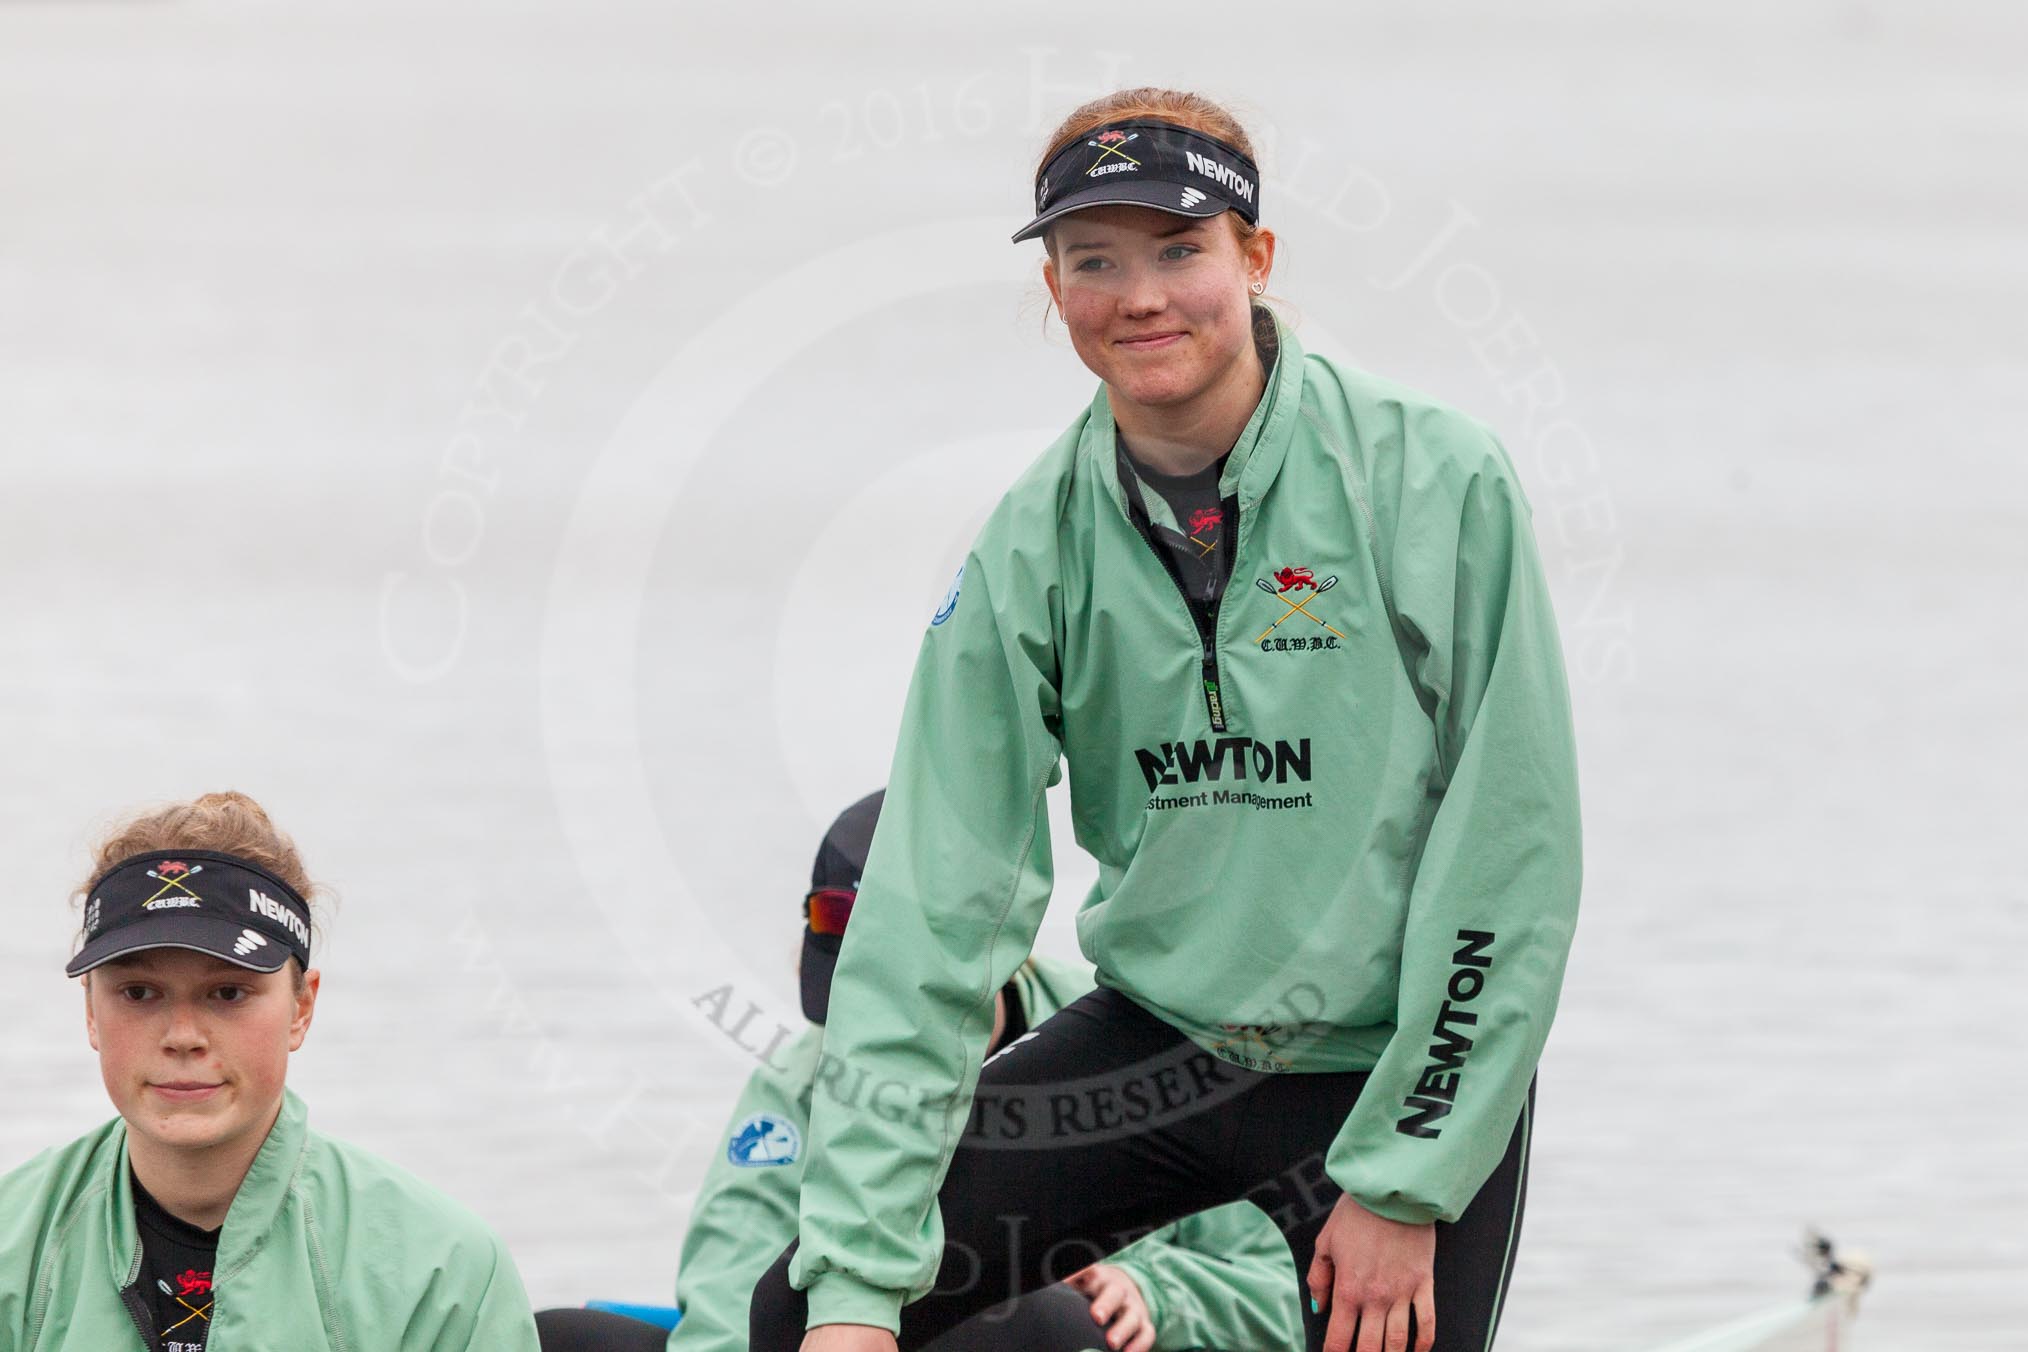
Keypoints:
pixel 1150 340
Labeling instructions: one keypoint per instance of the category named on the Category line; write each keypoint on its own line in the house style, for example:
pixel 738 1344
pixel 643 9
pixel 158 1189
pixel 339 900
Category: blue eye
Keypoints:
pixel 1090 265
pixel 1179 250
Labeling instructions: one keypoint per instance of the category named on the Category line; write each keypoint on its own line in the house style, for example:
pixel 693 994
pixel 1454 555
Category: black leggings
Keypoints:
pixel 596 1331
pixel 1105 1124
pixel 1054 1319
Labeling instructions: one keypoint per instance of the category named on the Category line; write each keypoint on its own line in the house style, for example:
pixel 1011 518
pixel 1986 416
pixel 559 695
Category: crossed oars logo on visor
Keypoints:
pixel 1290 594
pixel 171 873
pixel 1109 143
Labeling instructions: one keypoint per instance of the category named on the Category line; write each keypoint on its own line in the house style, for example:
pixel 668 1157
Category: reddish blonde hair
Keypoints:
pixel 1169 105
pixel 228 823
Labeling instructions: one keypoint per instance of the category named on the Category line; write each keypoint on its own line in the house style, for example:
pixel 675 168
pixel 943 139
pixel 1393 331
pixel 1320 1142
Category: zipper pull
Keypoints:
pixel 1213 703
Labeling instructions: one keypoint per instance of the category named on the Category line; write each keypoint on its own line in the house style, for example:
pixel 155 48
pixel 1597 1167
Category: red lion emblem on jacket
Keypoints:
pixel 194 1283
pixel 1295 579
pixel 1204 518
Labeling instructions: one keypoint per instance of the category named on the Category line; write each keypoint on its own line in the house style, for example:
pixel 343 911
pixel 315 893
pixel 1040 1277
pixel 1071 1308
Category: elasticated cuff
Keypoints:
pixel 1398 1208
pixel 841 1298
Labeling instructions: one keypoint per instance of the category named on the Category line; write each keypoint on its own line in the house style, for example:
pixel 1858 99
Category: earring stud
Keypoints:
pixel 1260 288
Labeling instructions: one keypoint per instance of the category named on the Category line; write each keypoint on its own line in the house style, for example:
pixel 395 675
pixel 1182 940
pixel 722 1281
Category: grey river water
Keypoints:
pixel 521 444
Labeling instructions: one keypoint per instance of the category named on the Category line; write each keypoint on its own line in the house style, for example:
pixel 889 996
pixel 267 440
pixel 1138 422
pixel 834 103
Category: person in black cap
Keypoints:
pixel 208 1217
pixel 1286 622
pixel 745 1210
pixel 834 885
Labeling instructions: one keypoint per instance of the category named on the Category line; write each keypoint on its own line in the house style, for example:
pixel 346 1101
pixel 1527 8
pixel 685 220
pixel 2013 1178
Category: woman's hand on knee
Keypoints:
pixel 848 1338
pixel 1371 1273
pixel 1117 1306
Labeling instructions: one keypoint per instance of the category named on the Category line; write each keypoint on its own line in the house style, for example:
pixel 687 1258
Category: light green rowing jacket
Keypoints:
pixel 325 1249
pixel 1336 829
pixel 1219 1279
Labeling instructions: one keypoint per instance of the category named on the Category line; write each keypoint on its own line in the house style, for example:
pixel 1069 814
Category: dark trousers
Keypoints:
pixel 1054 1319
pixel 596 1331
pixel 1105 1124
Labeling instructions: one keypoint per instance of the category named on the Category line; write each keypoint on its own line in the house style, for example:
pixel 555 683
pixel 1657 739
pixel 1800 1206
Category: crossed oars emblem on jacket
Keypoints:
pixel 1290 594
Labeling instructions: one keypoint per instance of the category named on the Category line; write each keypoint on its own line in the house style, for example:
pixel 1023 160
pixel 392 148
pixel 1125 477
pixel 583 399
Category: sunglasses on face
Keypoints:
pixel 828 908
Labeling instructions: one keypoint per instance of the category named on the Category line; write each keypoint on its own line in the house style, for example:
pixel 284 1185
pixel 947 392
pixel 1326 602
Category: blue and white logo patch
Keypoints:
pixel 764 1141
pixel 950 602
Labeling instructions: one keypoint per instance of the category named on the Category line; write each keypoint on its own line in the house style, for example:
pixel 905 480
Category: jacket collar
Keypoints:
pixel 1256 457
pixel 255 1207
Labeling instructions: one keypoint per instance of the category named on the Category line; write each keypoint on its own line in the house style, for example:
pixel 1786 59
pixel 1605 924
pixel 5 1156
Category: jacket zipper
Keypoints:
pixel 1204 617
pixel 137 1310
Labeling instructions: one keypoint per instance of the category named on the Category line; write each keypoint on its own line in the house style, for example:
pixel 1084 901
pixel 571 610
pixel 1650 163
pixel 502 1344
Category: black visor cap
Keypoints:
pixel 198 900
pixel 1145 163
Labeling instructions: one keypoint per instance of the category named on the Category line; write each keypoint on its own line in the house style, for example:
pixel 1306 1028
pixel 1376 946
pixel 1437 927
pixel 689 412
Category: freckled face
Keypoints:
pixel 194 1050
pixel 1157 305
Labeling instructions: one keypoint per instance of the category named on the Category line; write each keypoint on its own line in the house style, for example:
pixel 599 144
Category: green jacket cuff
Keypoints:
pixel 1398 1209
pixel 841 1298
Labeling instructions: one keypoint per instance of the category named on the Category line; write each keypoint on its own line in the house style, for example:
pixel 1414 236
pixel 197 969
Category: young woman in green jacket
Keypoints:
pixel 208 1217
pixel 1286 623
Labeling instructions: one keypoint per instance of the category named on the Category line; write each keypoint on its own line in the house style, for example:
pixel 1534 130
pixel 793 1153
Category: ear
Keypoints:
pixel 306 1009
pixel 1260 256
pixel 91 1021
pixel 1049 280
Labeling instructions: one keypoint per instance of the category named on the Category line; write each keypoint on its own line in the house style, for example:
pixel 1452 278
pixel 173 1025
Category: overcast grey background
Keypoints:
pixel 521 444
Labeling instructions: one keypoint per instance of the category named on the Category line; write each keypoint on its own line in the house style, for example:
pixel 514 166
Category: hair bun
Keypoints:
pixel 232 800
